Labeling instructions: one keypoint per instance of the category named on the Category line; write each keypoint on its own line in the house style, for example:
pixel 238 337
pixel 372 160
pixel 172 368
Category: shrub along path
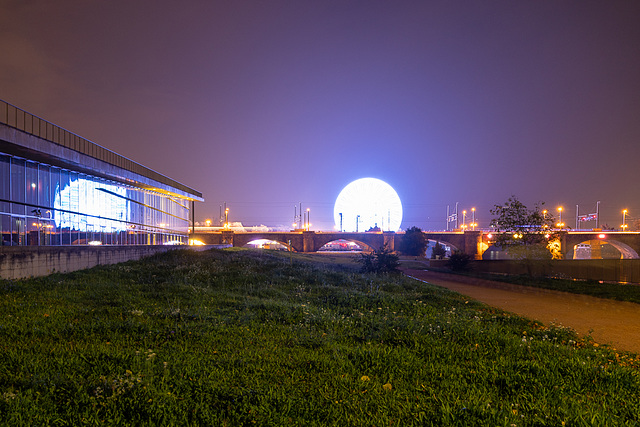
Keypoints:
pixel 615 323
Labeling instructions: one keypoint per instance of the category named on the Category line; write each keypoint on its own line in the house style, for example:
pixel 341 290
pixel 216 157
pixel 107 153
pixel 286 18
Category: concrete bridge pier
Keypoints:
pixel 389 239
pixel 473 243
pixel 227 237
pixel 308 241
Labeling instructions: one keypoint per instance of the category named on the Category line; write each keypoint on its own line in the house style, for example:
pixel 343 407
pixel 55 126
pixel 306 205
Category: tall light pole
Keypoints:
pixel 464 219
pixel 308 219
pixel 473 219
pixel 357 222
pixel 226 217
pixel 624 220
pixel 341 222
pixel 560 223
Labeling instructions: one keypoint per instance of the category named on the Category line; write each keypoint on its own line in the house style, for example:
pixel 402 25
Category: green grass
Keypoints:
pixel 263 338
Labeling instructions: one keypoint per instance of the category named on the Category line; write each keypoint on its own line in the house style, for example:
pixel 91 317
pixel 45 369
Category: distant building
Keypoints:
pixel 57 188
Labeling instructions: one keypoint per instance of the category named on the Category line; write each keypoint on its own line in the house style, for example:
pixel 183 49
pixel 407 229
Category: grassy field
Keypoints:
pixel 240 337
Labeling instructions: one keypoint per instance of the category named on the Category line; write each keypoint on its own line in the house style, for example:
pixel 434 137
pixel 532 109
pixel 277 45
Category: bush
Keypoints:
pixel 459 261
pixel 380 261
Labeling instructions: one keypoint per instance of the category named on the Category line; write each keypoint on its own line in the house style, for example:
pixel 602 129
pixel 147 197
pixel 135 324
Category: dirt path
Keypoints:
pixel 610 322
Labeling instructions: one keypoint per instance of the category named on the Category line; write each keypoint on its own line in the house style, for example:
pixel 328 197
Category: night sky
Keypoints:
pixel 268 104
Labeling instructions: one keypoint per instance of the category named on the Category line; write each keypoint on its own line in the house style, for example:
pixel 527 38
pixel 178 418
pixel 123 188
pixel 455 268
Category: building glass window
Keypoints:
pixel 45 205
pixel 31 188
pixel 5 223
pixel 5 184
pixel 17 186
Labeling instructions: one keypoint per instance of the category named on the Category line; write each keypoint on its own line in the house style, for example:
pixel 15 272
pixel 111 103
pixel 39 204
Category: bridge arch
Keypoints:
pixel 601 249
pixel 494 252
pixel 294 242
pixel 368 243
pixel 431 242
pixel 626 244
pixel 269 244
pixel 343 245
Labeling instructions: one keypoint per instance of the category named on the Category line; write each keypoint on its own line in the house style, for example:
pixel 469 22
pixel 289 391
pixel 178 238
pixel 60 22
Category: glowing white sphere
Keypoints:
pixel 370 202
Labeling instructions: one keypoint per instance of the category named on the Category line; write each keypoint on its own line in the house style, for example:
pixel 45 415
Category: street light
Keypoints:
pixel 464 219
pixel 226 218
pixel 308 219
pixel 560 223
pixel 624 220
pixel 473 219
pixel 341 222
pixel 544 219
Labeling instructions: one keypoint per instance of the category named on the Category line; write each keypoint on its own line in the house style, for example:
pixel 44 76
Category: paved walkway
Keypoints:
pixel 610 322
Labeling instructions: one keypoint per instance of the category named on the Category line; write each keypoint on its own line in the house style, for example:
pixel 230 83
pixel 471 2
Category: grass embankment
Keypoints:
pixel 243 337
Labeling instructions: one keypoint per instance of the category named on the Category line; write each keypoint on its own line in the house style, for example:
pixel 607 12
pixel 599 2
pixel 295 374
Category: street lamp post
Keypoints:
pixel 308 219
pixel 226 218
pixel 341 222
pixel 624 220
pixel 357 222
pixel 464 219
pixel 560 223
pixel 473 219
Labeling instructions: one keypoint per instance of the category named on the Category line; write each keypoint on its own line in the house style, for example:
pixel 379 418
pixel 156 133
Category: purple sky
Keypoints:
pixel 266 104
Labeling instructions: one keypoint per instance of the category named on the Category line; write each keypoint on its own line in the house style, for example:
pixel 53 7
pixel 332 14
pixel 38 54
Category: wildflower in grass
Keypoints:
pixel 387 387
pixel 7 396
pixel 364 378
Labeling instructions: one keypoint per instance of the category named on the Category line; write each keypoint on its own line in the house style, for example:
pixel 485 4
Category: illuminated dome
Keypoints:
pixel 367 203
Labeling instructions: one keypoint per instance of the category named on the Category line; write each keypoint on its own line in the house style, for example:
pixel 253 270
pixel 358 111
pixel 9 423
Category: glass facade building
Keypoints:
pixel 59 189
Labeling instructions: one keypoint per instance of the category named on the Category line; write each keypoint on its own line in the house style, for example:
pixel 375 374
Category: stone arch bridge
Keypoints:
pixel 311 241
pixel 470 242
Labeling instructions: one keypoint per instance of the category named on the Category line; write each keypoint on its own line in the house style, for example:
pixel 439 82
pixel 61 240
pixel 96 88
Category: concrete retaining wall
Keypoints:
pixel 26 261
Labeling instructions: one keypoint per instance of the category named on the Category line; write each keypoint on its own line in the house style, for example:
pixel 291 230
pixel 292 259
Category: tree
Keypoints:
pixel 438 251
pixel 380 261
pixel 523 233
pixel 413 242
